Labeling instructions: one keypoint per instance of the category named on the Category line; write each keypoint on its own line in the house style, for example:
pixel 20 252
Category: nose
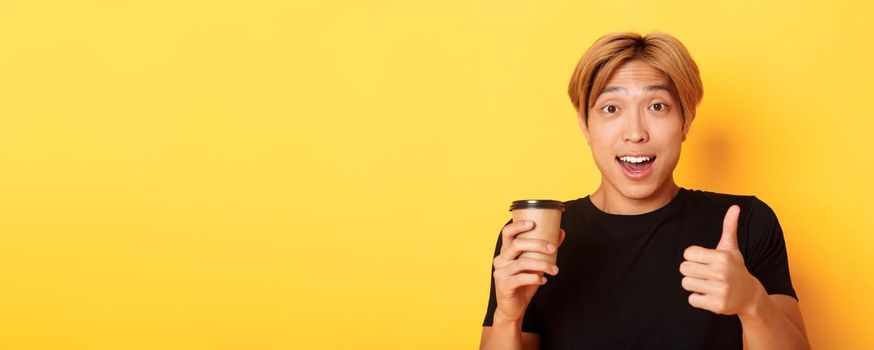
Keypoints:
pixel 634 128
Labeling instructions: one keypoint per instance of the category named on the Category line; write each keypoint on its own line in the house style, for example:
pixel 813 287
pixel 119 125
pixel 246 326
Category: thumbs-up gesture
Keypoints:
pixel 718 279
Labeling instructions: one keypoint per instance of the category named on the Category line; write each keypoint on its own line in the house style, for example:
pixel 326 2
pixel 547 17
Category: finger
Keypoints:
pixel 701 255
pixel 697 285
pixel 532 265
pixel 499 262
pixel 521 245
pixel 509 232
pixel 525 279
pixel 696 270
pixel 729 229
pixel 701 301
pixel 561 235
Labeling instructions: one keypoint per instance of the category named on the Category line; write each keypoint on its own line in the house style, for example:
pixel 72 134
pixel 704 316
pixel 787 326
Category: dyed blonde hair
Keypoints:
pixel 662 51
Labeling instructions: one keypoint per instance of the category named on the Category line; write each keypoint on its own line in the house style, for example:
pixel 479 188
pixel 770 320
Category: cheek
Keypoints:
pixel 668 132
pixel 604 156
pixel 670 154
pixel 601 142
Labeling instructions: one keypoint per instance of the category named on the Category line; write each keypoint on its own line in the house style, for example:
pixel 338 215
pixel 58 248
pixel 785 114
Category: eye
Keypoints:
pixel 610 109
pixel 658 107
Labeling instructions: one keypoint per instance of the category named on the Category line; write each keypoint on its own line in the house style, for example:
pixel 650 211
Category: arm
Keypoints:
pixel 774 322
pixel 515 280
pixel 720 282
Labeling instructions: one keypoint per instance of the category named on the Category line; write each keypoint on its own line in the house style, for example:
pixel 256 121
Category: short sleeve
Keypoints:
pixel 766 257
pixel 530 323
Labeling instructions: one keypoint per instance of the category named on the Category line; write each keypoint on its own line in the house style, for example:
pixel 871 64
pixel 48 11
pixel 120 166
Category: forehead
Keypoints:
pixel 636 73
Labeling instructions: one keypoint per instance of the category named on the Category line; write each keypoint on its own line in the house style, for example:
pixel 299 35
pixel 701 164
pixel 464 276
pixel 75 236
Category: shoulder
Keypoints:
pixel 716 198
pixel 757 222
pixel 759 230
pixel 575 210
pixel 751 207
pixel 574 204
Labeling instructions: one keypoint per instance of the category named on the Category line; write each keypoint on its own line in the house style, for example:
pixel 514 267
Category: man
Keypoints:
pixel 645 264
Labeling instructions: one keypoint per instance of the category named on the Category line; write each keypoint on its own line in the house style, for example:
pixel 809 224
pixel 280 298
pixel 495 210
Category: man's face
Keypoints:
pixel 635 130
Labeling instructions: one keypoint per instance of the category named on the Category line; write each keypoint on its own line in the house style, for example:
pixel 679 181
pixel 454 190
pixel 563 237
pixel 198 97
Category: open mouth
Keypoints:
pixel 636 166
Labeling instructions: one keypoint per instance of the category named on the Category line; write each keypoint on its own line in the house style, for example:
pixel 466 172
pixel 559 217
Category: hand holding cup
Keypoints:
pixel 529 248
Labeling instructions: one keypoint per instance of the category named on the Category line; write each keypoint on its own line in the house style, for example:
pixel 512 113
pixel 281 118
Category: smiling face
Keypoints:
pixel 635 129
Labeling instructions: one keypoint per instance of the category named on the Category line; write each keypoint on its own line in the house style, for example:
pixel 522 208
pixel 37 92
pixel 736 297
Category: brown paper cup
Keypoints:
pixel 546 215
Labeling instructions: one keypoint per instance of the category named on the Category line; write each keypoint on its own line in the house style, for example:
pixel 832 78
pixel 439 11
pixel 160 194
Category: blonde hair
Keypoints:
pixel 661 50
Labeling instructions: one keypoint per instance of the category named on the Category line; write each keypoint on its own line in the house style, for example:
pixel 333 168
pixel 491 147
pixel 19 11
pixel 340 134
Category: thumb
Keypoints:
pixel 729 229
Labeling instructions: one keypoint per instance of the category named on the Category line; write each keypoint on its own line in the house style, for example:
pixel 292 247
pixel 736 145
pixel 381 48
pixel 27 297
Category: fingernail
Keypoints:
pixel 542 280
pixel 550 247
pixel 528 223
pixel 554 269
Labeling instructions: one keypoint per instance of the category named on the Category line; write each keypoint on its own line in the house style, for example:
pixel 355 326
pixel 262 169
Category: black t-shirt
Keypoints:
pixel 619 281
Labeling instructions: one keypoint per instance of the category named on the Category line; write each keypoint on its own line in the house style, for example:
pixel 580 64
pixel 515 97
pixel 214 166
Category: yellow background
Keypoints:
pixel 334 174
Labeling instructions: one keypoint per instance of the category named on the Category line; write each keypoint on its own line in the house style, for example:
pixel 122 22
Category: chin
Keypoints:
pixel 637 190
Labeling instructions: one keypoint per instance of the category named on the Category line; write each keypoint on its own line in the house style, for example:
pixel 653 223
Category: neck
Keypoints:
pixel 609 200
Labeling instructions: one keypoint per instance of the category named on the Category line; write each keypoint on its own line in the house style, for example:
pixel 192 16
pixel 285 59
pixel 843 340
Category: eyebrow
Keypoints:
pixel 610 89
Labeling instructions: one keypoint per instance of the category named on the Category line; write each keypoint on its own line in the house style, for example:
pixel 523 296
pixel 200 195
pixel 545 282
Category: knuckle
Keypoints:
pixel 516 265
pixel 508 251
pixel 512 228
pixel 506 231
pixel 519 244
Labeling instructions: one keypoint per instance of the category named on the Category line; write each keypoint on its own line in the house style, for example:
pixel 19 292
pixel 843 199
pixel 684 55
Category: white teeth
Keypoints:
pixel 635 159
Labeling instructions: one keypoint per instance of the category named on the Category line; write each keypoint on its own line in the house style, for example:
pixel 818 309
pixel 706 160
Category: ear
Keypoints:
pixel 584 127
pixel 686 127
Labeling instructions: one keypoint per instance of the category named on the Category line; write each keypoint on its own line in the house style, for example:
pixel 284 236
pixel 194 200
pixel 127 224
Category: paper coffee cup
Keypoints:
pixel 546 215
